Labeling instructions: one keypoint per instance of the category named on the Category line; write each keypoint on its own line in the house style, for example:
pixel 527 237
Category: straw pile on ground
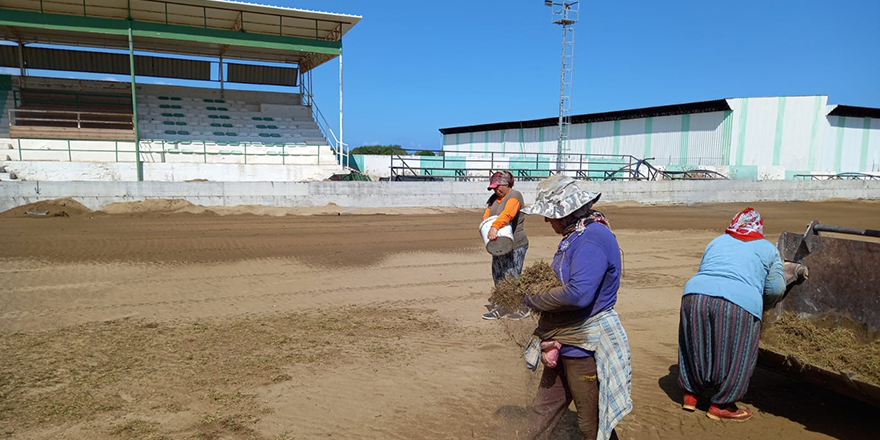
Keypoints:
pixel 837 346
pixel 535 279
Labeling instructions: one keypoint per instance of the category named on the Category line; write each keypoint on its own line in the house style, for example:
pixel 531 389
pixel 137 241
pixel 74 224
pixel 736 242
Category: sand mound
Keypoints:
pixel 65 207
pixel 146 206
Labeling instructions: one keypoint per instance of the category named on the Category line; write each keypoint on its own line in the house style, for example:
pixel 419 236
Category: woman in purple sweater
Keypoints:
pixel 594 368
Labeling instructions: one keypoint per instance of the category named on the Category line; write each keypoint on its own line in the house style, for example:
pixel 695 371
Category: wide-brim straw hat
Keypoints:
pixel 558 196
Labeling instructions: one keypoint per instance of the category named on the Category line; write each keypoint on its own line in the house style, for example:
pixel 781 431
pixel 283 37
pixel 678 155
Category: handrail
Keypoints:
pixel 147 149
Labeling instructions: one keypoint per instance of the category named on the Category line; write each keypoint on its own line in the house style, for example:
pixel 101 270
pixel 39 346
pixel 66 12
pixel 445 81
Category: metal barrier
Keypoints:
pixel 467 165
pixel 838 176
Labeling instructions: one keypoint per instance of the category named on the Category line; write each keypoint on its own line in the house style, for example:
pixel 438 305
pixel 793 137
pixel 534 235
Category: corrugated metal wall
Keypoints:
pixel 789 134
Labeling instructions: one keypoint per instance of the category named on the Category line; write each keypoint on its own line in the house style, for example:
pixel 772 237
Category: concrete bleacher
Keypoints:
pixel 186 124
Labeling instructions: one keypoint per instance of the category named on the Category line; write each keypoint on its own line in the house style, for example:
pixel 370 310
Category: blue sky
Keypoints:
pixel 413 67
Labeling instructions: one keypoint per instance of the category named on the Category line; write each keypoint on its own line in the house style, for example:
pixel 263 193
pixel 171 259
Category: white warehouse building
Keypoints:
pixel 760 138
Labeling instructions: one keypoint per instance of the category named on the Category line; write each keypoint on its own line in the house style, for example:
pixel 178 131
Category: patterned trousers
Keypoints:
pixel 509 265
pixel 717 347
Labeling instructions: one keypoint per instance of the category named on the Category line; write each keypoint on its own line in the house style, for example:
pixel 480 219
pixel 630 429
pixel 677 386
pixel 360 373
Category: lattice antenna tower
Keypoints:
pixel 565 14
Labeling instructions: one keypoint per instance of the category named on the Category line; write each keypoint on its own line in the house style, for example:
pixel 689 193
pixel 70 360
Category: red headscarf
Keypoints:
pixel 747 225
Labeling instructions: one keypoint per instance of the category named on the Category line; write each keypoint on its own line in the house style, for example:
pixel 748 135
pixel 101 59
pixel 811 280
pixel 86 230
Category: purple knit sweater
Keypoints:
pixel 588 264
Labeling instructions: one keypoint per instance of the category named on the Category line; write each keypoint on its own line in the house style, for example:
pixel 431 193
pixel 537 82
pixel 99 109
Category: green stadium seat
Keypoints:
pixel 216 124
pixel 167 115
pixel 275 135
pixel 186 151
pixel 273 153
pixel 176 107
pixel 225 151
pixel 261 127
pixel 167 122
pixel 212 108
pixel 180 123
pixel 221 143
pixel 214 116
pixel 164 106
pixel 224 117
pixel 172 150
pixel 265 135
pixel 268 119
pixel 175 98
pixel 227 125
pixel 185 142
pixel 208 100
pixel 170 132
pixel 222 109
pixel 219 133
pixel 257 118
pixel 234 144
pixel 238 152
pixel 220 101
pixel 272 127
pixel 163 98
pixel 231 133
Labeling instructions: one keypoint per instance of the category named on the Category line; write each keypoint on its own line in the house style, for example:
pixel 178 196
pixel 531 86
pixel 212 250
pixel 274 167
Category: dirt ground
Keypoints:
pixel 213 324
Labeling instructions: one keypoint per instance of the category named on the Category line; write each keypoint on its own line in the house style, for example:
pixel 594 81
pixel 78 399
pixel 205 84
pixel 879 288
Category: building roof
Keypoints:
pixel 664 110
pixel 234 30
pixel 855 112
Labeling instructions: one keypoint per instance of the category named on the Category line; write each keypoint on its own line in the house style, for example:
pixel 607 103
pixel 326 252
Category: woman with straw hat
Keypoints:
pixel 578 319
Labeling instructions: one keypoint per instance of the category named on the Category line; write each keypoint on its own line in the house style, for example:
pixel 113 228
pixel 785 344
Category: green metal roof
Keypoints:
pixel 189 27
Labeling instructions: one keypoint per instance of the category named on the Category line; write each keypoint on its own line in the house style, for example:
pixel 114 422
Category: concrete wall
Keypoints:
pixel 400 194
pixel 165 172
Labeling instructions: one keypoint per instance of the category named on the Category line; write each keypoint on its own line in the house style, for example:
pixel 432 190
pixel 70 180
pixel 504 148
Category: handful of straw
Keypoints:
pixel 535 280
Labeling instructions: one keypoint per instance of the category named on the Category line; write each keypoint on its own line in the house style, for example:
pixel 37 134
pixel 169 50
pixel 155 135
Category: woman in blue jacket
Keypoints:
pixel 579 319
pixel 740 274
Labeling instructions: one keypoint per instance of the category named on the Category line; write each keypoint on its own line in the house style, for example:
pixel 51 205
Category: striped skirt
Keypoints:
pixel 717 347
pixel 509 265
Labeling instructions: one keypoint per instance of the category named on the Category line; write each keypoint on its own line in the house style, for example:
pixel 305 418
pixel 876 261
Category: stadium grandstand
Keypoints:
pixel 160 128
pixel 762 138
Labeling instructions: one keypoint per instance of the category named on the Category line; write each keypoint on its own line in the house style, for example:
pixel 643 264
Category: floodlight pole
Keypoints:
pixel 134 114
pixel 564 13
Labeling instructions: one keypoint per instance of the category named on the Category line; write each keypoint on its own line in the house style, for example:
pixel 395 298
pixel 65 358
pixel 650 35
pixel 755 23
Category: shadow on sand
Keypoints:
pixel 566 430
pixel 817 409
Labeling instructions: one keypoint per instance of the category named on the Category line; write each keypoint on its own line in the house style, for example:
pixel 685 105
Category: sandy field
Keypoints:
pixel 168 321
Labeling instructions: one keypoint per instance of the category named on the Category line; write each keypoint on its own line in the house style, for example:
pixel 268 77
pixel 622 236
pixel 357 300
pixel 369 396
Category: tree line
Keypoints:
pixel 387 150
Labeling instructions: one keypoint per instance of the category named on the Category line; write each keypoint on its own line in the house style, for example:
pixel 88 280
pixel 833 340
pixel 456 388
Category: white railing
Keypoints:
pixel 53 118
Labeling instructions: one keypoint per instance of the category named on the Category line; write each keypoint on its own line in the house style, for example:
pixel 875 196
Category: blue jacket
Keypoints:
pixel 588 265
pixel 746 273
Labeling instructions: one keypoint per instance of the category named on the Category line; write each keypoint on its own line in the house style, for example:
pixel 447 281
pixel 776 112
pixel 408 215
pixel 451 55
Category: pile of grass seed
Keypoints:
pixel 535 279
pixel 837 347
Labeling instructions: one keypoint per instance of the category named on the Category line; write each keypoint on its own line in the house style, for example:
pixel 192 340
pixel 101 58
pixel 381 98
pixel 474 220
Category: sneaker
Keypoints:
pixel 728 412
pixel 517 315
pixel 493 314
pixel 689 402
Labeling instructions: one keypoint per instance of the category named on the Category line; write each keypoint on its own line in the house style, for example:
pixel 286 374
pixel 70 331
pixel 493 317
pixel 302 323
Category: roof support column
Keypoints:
pixel 340 146
pixel 21 62
pixel 220 68
pixel 134 113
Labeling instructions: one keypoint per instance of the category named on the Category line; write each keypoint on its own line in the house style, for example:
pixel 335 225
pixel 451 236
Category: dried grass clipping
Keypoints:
pixel 834 345
pixel 535 279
